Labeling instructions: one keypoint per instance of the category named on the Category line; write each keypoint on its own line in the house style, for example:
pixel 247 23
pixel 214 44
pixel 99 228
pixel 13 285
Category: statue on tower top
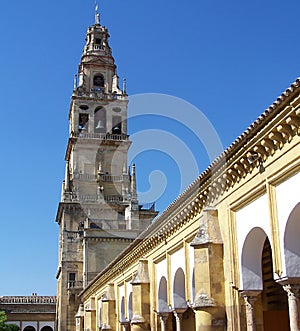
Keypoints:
pixel 97 15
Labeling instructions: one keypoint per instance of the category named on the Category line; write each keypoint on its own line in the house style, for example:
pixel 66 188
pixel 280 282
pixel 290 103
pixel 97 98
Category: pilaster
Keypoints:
pixel 109 309
pixel 141 298
pixel 209 274
pixel 90 315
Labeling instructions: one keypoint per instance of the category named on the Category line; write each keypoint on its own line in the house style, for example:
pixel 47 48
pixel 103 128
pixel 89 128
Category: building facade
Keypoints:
pixel 30 313
pixel 226 254
pixel 99 213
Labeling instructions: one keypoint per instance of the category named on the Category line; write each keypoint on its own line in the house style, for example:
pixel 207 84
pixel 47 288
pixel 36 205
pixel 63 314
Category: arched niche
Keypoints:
pixel 163 295
pixel 292 243
pixel 251 259
pixel 179 299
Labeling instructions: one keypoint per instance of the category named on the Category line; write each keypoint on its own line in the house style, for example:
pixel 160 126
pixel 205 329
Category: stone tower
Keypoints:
pixel 99 214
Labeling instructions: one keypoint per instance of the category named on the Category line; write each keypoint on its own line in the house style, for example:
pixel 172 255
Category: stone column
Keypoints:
pixel 163 317
pixel 293 295
pixel 250 298
pixel 178 313
pixel 125 325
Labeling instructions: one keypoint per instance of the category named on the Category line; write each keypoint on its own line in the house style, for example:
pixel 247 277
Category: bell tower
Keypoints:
pixel 98 214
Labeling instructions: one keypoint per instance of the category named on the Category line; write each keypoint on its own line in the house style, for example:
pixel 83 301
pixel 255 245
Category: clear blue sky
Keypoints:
pixel 231 59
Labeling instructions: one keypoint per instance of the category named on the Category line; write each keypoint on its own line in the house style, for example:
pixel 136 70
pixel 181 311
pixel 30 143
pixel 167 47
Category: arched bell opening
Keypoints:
pixel 98 82
pixel 100 120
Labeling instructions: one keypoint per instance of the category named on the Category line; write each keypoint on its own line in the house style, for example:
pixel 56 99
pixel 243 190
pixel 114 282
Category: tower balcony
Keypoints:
pixel 95 138
pixel 100 136
pixel 112 178
pixel 99 94
pixel 107 198
pixel 75 285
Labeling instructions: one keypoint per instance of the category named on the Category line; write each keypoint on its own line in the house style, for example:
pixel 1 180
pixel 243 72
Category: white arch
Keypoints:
pixel 122 310
pixel 193 288
pixel 29 323
pixel 130 306
pixel 251 259
pixel 179 297
pixel 287 197
pixel 99 312
pixel 292 244
pixel 163 295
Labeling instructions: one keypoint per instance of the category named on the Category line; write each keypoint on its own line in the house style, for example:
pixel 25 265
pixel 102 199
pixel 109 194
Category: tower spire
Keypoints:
pixel 133 184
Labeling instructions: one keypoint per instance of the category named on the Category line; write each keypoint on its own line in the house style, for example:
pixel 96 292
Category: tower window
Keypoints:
pixel 99 81
pixel 84 107
pixel 72 279
pixel 98 41
pixel 117 125
pixel 100 120
pixel 83 122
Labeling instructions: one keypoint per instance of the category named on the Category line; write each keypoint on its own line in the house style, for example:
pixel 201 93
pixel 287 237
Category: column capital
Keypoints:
pixel 163 316
pixel 290 285
pixel 250 296
pixel 178 316
pixel 292 290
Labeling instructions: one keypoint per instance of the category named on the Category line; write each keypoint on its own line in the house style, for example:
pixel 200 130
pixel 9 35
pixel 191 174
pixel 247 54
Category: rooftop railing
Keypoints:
pixel 27 299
